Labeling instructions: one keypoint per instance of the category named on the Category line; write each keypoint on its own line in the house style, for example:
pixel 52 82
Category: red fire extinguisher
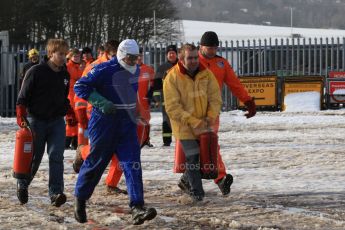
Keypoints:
pixel 23 152
pixel 208 143
pixel 143 132
pixel 208 155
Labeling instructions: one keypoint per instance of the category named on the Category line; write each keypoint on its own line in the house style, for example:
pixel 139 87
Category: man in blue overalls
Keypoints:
pixel 111 88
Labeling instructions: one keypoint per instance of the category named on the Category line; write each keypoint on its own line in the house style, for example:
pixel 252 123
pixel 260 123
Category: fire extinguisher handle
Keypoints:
pixel 26 122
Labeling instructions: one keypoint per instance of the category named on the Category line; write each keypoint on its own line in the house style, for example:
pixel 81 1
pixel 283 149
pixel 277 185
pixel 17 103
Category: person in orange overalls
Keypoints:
pixel 224 73
pixel 73 68
pixel 146 81
pixel 83 109
pixel 87 55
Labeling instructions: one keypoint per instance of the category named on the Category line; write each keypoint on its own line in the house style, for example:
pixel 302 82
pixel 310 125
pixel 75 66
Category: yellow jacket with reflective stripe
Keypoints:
pixel 188 100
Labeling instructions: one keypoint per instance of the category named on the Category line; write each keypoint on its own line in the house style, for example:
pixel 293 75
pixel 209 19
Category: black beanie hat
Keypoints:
pixel 171 48
pixel 86 50
pixel 209 38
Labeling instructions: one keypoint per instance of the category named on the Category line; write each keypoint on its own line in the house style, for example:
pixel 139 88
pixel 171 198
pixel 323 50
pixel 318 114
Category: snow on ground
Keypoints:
pixel 288 170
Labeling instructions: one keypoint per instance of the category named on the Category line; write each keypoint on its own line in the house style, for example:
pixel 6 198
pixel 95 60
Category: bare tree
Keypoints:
pixel 87 22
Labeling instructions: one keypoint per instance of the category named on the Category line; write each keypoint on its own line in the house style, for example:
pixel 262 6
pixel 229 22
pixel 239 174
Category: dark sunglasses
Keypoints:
pixel 193 58
pixel 132 57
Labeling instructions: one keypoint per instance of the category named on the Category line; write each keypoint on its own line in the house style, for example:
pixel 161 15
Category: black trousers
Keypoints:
pixel 166 128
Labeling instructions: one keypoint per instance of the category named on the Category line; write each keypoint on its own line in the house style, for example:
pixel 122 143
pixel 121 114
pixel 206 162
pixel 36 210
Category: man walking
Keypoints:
pixel 43 97
pixel 171 53
pixel 193 101
pixel 111 88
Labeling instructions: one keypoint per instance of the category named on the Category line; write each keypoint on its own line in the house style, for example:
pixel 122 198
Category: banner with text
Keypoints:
pixel 262 88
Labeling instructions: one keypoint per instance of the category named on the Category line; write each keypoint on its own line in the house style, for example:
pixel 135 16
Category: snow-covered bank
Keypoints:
pixel 233 31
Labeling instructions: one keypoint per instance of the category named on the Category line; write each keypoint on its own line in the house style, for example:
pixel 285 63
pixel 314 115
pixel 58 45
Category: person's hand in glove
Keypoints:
pixel 200 127
pixel 251 107
pixel 106 106
pixel 211 122
pixel 70 117
pixel 21 115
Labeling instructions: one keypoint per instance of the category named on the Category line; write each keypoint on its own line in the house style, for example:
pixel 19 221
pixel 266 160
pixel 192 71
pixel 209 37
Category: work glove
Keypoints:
pixel 251 107
pixel 200 127
pixel 21 115
pixel 210 121
pixel 106 106
pixel 81 117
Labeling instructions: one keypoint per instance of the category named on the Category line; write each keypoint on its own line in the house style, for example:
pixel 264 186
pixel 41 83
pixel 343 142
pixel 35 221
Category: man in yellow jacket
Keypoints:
pixel 192 102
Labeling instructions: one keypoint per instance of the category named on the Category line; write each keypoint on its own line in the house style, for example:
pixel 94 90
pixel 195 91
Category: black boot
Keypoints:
pixel 196 198
pixel 140 214
pixel 225 183
pixel 184 185
pixel 68 142
pixel 22 194
pixel 79 210
pixel 74 143
pixel 58 199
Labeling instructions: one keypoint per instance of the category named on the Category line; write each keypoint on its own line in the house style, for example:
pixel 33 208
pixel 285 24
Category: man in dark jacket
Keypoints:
pixel 172 59
pixel 43 97
pixel 33 60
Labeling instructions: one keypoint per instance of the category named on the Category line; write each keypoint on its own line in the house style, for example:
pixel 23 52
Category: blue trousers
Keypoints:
pixel 107 136
pixel 53 134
